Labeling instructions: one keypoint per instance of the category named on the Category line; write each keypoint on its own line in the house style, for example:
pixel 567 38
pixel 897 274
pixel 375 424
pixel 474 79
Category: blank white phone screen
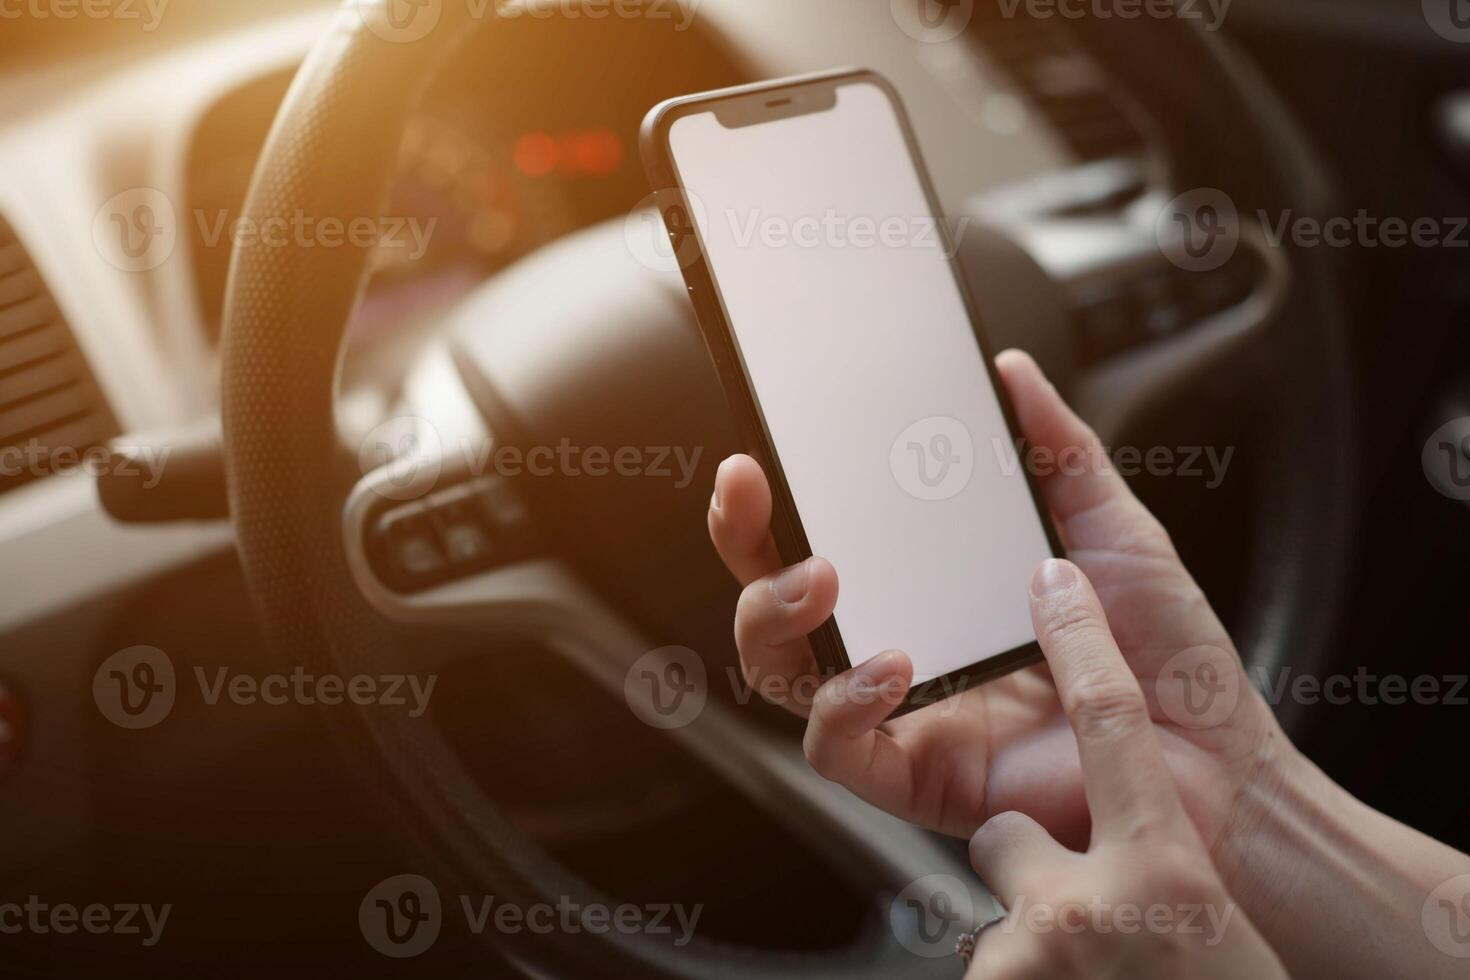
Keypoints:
pixel 862 357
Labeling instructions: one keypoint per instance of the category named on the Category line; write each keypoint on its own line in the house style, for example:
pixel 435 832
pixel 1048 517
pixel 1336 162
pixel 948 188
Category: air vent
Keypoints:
pixel 51 410
pixel 1058 77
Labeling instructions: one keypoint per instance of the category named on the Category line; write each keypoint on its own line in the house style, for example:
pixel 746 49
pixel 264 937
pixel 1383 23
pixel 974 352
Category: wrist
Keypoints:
pixel 1336 887
pixel 1275 826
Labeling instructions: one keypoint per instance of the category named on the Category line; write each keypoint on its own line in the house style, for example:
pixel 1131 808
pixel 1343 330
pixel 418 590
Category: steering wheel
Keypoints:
pixel 304 523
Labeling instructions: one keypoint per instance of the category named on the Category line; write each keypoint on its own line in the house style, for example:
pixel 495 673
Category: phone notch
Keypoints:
pixel 763 107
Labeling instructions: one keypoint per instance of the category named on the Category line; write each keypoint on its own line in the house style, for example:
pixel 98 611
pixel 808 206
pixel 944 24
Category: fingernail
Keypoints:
pixel 714 500
pixel 870 672
pixel 1053 577
pixel 791 585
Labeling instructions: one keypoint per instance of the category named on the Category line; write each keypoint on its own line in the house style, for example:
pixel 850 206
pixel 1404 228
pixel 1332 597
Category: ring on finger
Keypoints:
pixel 965 947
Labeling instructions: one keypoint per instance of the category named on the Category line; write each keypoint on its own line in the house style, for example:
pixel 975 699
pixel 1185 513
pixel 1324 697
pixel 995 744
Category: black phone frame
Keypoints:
pixel 763 102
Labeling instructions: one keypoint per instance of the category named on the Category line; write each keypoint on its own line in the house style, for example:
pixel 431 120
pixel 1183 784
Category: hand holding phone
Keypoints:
pixel 1006 745
pixel 829 349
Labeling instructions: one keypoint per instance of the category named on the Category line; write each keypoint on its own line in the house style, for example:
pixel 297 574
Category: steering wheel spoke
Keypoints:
pixel 454 533
pixel 1234 312
pixel 429 544
pixel 1143 327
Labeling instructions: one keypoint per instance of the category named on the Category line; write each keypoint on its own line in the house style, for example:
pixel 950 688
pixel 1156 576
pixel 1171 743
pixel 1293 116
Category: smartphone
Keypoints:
pixel 827 287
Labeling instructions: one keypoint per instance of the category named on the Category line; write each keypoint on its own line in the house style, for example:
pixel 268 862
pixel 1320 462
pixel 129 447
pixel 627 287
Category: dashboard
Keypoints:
pixel 486 174
pixel 512 152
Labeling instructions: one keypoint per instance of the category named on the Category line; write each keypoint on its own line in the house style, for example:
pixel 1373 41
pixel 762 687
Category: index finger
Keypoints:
pixel 1092 502
pixel 1129 787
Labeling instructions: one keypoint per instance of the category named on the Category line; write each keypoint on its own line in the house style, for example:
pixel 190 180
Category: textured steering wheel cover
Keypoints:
pixel 331 154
